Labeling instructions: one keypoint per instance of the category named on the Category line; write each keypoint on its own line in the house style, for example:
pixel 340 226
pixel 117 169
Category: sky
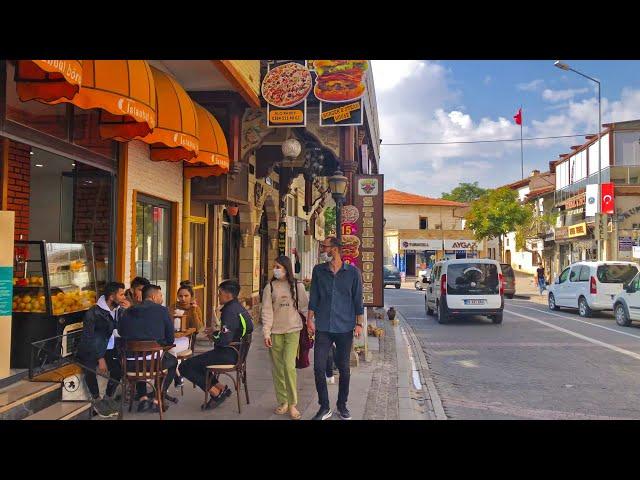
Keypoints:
pixel 440 101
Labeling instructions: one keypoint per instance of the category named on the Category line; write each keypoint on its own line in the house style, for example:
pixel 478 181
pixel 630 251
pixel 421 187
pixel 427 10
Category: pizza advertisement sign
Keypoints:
pixel 285 88
pixel 340 86
pixel 362 236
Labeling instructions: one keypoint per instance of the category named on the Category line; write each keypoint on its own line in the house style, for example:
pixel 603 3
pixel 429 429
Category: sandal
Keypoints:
pixel 282 409
pixel 294 413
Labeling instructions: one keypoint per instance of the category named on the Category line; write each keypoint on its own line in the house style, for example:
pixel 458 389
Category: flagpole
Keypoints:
pixel 521 146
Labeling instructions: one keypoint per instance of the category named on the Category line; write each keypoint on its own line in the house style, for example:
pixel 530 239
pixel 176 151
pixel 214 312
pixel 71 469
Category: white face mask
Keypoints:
pixel 278 273
pixel 325 257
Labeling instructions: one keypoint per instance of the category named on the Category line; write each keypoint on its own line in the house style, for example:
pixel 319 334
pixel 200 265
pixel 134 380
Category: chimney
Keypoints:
pixel 534 173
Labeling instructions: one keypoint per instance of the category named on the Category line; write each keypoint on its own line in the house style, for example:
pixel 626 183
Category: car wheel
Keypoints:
pixel 622 318
pixel 552 302
pixel 443 315
pixel 427 308
pixel 583 307
pixel 397 286
pixel 497 318
pixel 418 285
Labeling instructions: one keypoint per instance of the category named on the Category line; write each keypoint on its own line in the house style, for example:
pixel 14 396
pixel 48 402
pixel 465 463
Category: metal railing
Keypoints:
pixel 620 175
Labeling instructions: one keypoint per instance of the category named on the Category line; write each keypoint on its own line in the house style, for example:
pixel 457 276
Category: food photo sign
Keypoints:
pixel 362 236
pixel 285 88
pixel 339 87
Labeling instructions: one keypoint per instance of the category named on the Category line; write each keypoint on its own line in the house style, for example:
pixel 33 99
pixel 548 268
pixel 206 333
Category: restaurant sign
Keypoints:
pixel 578 230
pixel 577 201
pixel 282 238
pixel 561 233
pixel 285 88
pixel 362 236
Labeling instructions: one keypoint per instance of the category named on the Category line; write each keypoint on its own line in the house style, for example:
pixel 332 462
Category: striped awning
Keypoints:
pixel 213 156
pixel 48 80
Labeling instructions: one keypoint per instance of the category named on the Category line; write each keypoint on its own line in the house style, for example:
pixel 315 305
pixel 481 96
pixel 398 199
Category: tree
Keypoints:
pixel 465 193
pixel 535 228
pixel 497 213
pixel 330 221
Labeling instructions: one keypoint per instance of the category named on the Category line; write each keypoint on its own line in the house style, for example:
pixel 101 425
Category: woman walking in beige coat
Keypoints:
pixel 283 300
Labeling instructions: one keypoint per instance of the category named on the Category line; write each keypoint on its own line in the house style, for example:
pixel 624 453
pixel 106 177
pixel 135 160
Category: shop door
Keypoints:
pixel 264 251
pixel 411 264
pixel 198 259
pixel 152 251
pixel 230 246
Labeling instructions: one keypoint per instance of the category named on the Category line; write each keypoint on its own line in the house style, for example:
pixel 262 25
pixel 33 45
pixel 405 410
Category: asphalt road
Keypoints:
pixel 537 365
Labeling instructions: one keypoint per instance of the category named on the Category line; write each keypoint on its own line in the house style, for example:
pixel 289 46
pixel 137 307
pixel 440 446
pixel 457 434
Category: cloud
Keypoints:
pixel 390 73
pixel 531 86
pixel 562 95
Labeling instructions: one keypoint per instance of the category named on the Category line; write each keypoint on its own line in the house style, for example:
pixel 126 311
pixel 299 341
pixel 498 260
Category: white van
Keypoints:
pixel 626 305
pixel 465 287
pixel 590 286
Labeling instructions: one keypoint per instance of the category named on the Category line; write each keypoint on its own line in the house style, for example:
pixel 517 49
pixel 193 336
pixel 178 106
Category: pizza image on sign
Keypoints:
pixel 286 85
pixel 350 214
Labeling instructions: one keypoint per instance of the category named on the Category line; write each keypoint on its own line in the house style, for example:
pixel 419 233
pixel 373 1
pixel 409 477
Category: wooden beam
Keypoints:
pixel 121 226
pixel 232 74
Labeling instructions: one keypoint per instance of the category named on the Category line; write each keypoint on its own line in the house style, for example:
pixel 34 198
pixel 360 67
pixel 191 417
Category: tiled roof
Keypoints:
pixel 395 197
pixel 540 191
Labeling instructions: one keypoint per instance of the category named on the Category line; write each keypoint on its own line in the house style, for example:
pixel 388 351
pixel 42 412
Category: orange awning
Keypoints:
pixel 124 92
pixel 213 153
pixel 175 136
pixel 48 80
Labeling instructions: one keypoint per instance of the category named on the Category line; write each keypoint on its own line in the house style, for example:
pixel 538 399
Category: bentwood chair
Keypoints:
pixel 146 367
pixel 240 369
pixel 186 354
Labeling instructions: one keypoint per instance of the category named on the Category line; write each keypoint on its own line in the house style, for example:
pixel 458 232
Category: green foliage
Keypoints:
pixel 465 192
pixel 538 224
pixel 330 221
pixel 496 213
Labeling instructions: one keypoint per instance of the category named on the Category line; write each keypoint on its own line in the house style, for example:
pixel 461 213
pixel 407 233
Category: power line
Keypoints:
pixel 487 141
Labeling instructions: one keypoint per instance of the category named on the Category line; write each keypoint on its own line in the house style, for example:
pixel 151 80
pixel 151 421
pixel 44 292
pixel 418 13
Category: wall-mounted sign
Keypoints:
pixel 282 238
pixel 340 85
pixel 592 200
pixel 608 204
pixel 575 202
pixel 561 233
pixel 462 245
pixel 578 230
pixel 364 248
pixel 285 88
pixel 625 244
pixel 420 244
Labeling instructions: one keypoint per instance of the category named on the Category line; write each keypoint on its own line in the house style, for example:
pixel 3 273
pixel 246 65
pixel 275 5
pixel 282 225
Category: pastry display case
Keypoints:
pixel 53 285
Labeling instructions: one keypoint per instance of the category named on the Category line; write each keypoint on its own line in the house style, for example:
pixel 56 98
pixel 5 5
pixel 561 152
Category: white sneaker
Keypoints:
pixel 331 380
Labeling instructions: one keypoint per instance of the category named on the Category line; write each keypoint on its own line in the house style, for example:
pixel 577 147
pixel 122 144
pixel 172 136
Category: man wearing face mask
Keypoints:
pixel 336 303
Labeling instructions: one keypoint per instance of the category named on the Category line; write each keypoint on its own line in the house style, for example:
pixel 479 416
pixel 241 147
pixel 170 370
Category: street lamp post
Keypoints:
pixel 338 186
pixel 564 66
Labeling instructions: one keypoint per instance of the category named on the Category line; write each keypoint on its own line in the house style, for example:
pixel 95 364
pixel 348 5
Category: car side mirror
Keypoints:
pixel 630 288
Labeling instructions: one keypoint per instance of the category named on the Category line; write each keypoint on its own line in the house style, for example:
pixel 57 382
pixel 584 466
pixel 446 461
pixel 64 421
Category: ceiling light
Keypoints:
pixel 30 153
pixel 39 165
pixel 73 164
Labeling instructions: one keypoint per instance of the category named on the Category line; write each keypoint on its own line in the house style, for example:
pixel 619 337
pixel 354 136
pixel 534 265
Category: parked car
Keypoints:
pixel 392 276
pixel 509 280
pixel 465 287
pixel 590 286
pixel 626 305
pixel 422 274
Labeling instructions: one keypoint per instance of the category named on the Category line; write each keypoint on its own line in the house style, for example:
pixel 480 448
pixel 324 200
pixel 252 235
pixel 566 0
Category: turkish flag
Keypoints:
pixel 518 117
pixel 608 206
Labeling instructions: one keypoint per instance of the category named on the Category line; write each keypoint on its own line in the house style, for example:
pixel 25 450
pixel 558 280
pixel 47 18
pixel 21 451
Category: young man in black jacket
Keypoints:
pixel 96 350
pixel 235 323
pixel 150 321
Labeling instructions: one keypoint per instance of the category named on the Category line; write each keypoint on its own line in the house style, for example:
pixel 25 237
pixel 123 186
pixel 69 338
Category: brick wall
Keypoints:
pixel 159 179
pixel 92 211
pixel 19 186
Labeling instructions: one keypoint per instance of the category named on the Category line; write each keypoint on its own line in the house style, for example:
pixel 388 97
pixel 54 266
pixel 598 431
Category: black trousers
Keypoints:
pixel 194 369
pixel 323 343
pixel 330 363
pixel 90 378
pixel 169 362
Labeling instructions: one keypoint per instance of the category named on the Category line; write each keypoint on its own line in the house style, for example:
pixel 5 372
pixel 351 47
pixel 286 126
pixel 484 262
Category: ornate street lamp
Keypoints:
pixel 291 148
pixel 338 186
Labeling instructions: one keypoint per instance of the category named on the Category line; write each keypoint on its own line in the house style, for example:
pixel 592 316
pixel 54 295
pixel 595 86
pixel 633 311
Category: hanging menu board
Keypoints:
pixel 362 236
pixel 285 88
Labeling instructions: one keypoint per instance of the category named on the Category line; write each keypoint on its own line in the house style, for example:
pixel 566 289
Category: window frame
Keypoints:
pixel 577 269
pixel 426 223
pixel 560 280
pixel 583 269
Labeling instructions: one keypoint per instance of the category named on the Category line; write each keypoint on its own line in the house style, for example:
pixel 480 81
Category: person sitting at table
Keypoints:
pixel 235 323
pixel 134 293
pixel 150 321
pixel 187 306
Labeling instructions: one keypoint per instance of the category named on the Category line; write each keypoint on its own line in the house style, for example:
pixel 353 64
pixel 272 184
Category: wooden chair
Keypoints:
pixel 187 354
pixel 240 368
pixel 146 368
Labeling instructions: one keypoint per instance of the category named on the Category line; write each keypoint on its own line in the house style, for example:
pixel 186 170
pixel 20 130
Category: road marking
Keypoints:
pixel 578 335
pixel 467 363
pixel 582 321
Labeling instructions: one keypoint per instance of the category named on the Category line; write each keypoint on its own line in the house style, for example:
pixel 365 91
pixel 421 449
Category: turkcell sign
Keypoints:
pixel 591 206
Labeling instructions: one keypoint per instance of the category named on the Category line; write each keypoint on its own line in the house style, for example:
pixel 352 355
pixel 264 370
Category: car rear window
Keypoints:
pixel 472 279
pixel 390 270
pixel 616 273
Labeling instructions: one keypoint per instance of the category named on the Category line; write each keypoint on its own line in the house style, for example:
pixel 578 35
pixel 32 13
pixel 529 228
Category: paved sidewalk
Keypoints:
pixel 527 288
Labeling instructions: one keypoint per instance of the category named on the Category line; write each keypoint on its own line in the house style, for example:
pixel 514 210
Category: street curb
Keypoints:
pixel 433 403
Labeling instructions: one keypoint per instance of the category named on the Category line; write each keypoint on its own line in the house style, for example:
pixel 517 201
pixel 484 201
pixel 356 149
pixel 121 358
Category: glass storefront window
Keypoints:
pixel 153 242
pixel 50 119
pixel 197 249
pixel 230 246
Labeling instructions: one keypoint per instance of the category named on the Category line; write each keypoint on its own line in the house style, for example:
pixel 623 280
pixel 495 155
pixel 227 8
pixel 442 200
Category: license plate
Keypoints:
pixel 474 302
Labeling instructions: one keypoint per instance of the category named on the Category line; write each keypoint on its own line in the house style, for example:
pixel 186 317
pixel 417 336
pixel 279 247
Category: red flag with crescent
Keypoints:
pixel 608 205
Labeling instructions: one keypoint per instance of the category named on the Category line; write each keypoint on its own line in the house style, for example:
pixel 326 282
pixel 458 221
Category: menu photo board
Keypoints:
pixel 340 86
pixel 362 236
pixel 285 88
pixel 282 238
